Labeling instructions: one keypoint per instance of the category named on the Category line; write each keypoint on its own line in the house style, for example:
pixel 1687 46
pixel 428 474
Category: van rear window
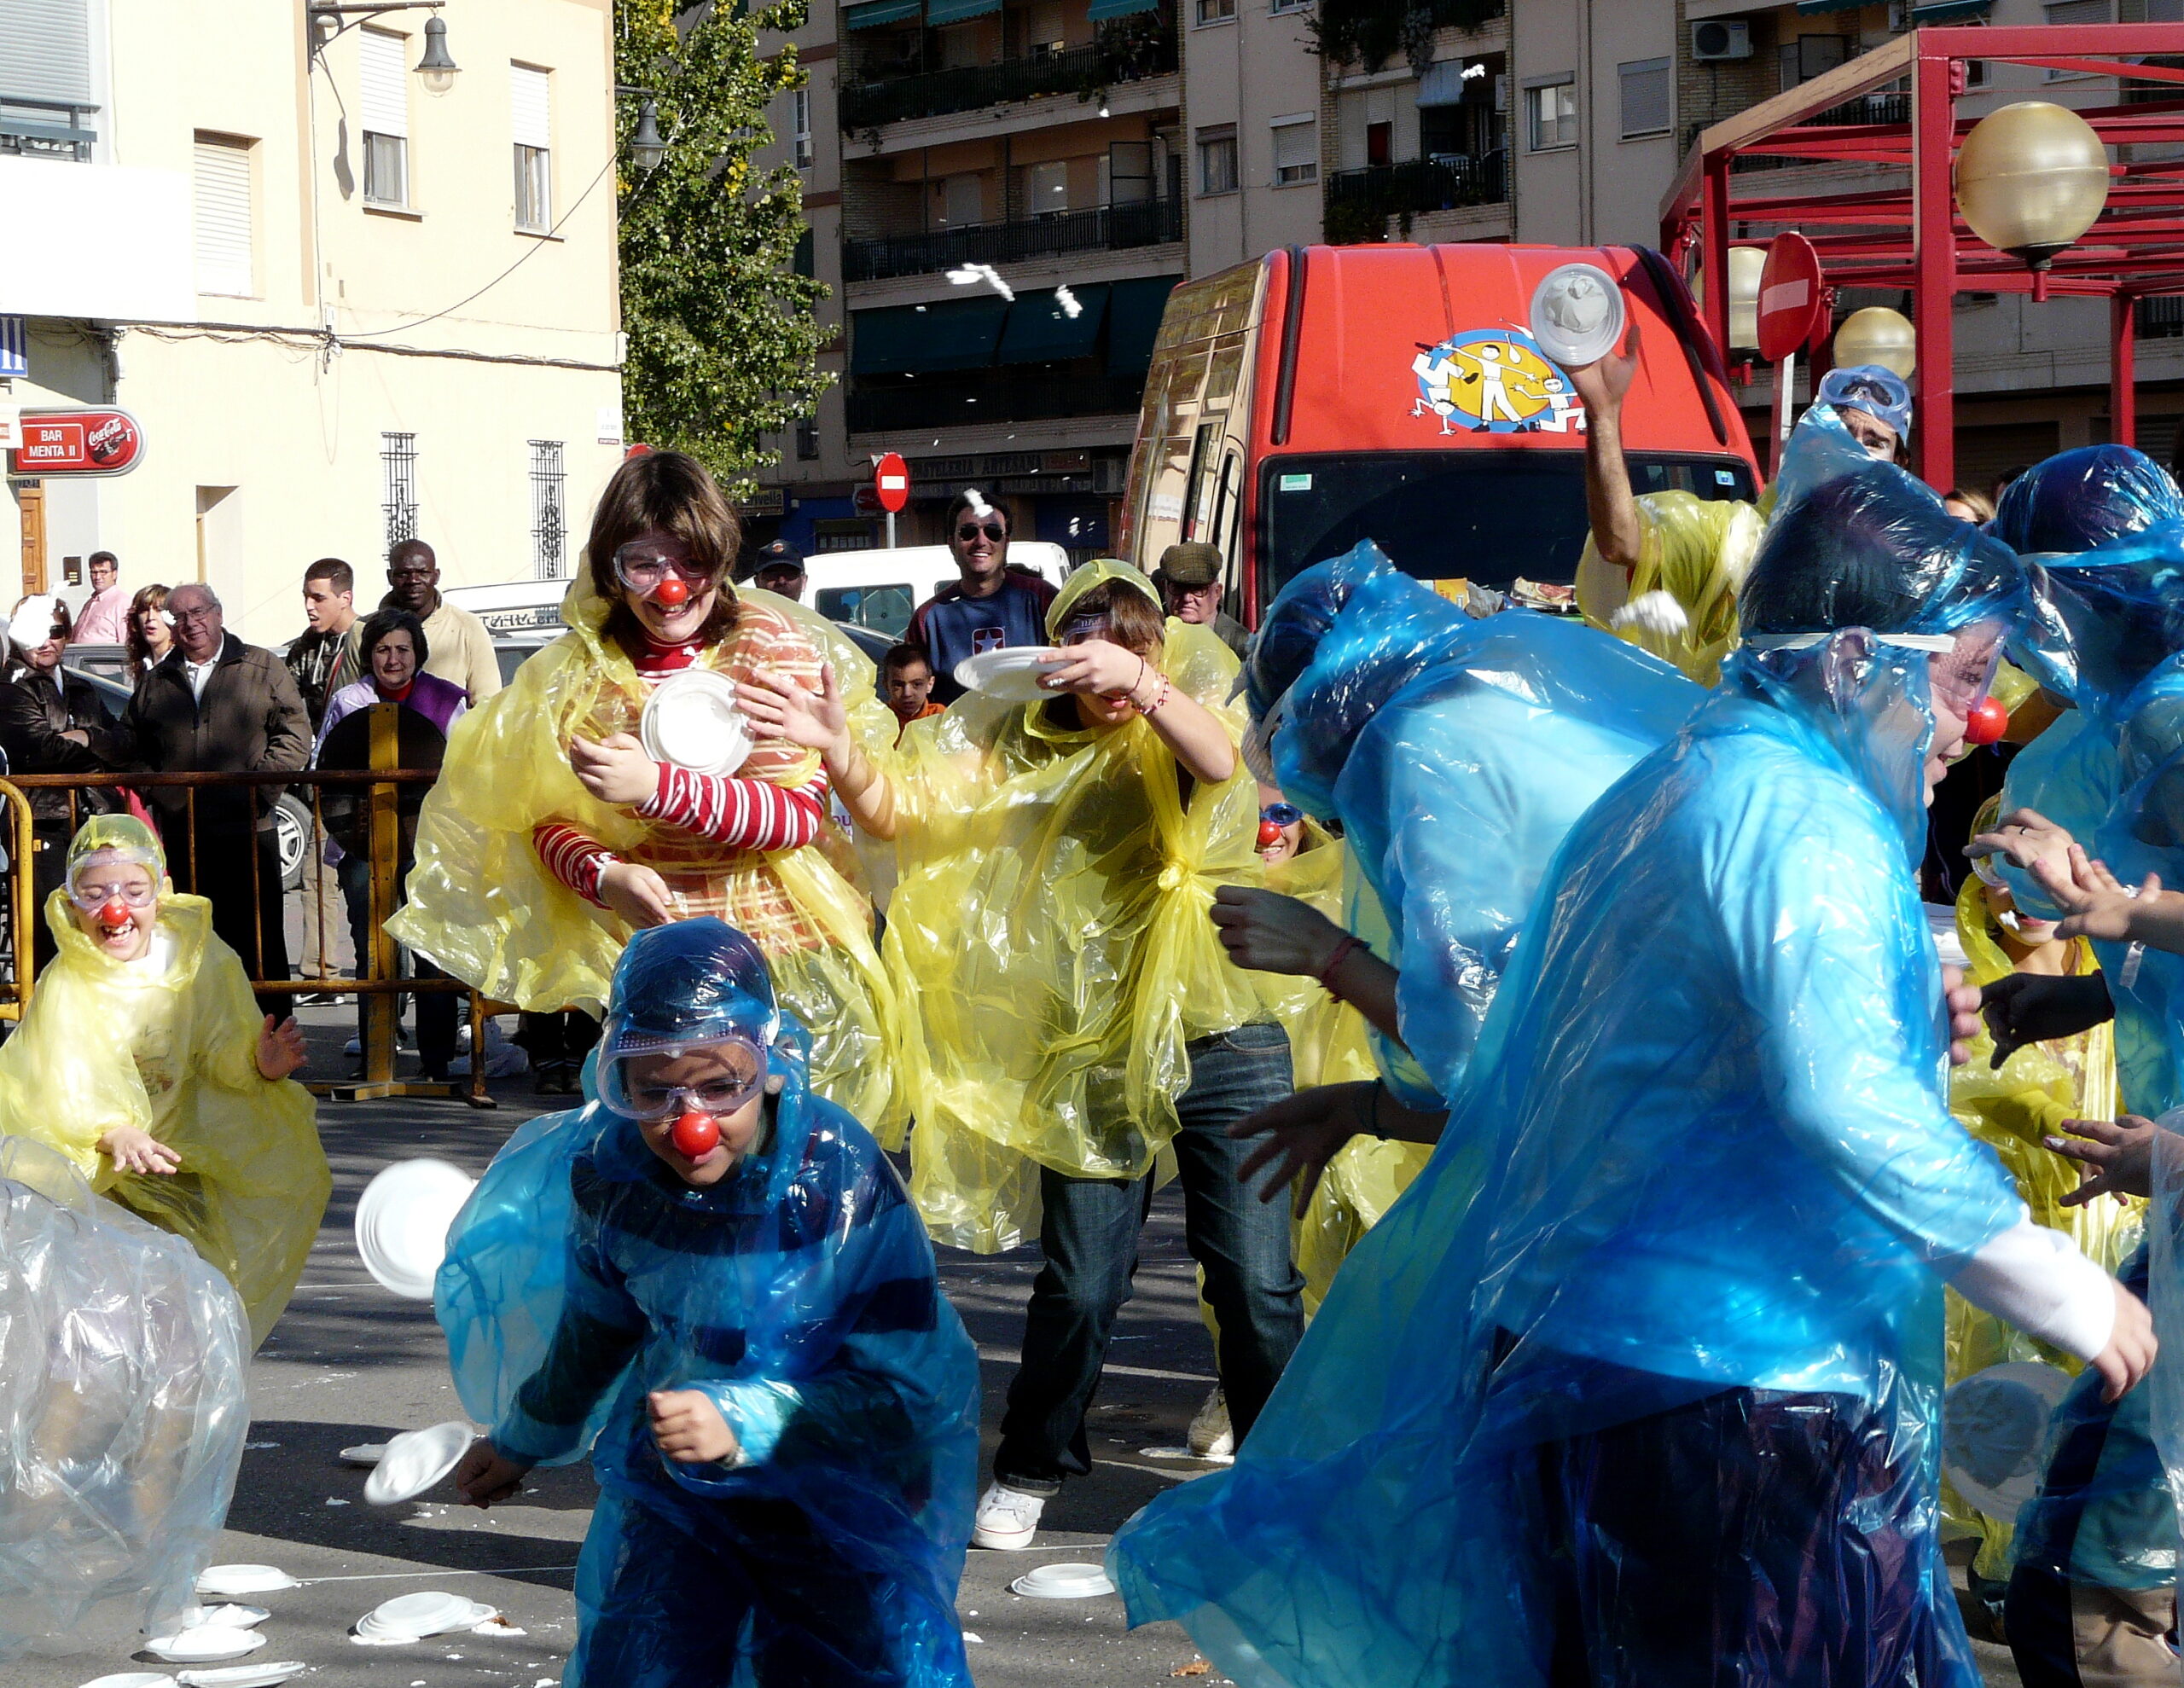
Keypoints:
pixel 884 609
pixel 1483 515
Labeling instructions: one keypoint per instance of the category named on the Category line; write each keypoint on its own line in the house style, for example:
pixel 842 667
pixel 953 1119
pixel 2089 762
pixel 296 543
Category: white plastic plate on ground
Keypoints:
pixel 1064 1582
pixel 413 1617
pixel 364 1453
pixel 227 1614
pixel 132 1679
pixel 415 1462
pixel 205 1643
pixel 1577 313
pixel 1993 1428
pixel 227 1582
pixel 402 1221
pixel 242 1676
pixel 1011 674
pixel 693 720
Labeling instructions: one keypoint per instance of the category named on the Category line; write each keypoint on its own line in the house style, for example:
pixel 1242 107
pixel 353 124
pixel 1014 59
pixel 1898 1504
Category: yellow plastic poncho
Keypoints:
pixel 2037 1088
pixel 169 1045
pixel 483 906
pixel 1696 550
pixel 1052 905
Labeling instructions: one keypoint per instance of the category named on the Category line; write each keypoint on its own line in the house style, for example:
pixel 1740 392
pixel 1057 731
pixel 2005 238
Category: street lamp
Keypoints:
pixel 436 70
pixel 2030 178
pixel 647 149
pixel 1877 335
pixel 1745 263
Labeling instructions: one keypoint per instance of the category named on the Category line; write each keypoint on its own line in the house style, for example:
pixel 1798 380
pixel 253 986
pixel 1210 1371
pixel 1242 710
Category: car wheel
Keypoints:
pixel 291 839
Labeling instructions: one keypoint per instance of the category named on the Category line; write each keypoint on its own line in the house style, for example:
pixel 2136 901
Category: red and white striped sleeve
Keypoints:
pixel 572 857
pixel 743 814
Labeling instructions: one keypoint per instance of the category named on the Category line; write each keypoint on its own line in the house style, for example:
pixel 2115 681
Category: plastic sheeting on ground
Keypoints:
pixel 169 1045
pixel 122 1414
pixel 800 1296
pixel 483 906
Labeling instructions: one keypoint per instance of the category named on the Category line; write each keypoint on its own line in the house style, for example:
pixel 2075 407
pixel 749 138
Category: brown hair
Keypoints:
pixel 1135 622
pixel 666 492
pixel 1981 506
pixel 140 653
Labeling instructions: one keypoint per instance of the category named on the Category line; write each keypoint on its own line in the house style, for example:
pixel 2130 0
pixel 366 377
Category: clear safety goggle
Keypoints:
pixel 90 894
pixel 1961 688
pixel 635 1095
pixel 641 568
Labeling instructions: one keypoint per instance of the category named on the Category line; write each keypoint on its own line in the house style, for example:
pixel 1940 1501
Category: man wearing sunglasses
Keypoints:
pixel 991 605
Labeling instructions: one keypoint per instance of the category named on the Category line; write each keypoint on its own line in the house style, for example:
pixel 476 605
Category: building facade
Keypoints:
pixel 343 308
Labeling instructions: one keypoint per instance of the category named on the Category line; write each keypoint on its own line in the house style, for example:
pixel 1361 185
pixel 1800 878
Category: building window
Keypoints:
pixel 398 464
pixel 1046 188
pixel 1216 11
pixel 800 123
pixel 1216 159
pixel 1551 115
pixel 1380 144
pixel 2070 13
pixel 1645 97
pixel 1296 150
pixel 548 520
pixel 1287 5
pixel 807 441
pixel 1812 55
pixel 530 104
pixel 221 196
pixel 386 118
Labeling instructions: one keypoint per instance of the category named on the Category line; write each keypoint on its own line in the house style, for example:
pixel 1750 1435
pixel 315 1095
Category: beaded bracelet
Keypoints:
pixel 1159 699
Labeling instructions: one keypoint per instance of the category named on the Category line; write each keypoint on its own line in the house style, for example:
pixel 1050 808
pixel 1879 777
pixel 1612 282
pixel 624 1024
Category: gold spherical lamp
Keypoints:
pixel 1878 335
pixel 2030 178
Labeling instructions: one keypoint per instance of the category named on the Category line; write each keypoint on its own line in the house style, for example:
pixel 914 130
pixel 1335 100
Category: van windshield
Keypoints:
pixel 1480 515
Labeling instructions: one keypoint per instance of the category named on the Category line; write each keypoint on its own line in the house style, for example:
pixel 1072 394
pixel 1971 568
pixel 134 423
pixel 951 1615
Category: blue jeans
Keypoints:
pixel 436 1009
pixel 1088 1235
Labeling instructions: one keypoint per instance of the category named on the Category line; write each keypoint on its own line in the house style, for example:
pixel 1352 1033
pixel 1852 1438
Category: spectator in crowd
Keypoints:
pixel 990 606
pixel 329 612
pixel 780 570
pixel 906 682
pixel 52 722
pixel 395 648
pixel 216 705
pixel 104 618
pixel 1189 578
pixel 463 650
pixel 1965 506
pixel 2002 481
pixel 151 631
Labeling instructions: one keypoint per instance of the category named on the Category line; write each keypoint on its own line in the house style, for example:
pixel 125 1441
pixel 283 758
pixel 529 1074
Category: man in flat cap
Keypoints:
pixel 1189 578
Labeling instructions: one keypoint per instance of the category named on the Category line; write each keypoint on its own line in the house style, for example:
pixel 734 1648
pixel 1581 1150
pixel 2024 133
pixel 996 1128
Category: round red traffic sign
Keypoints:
pixel 890 482
pixel 1790 296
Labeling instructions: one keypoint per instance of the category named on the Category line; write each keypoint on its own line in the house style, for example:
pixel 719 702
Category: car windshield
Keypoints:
pixel 884 609
pixel 1484 516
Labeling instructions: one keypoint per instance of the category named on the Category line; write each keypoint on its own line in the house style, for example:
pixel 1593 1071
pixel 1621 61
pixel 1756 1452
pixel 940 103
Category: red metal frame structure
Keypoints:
pixel 1908 234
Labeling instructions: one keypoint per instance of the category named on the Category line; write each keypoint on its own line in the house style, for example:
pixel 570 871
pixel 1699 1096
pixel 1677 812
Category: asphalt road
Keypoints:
pixel 349 1363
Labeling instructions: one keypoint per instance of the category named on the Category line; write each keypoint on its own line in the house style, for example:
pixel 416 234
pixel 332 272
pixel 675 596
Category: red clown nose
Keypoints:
pixel 1987 722
pixel 1269 834
pixel 674 592
pixel 113 915
pixel 695 1135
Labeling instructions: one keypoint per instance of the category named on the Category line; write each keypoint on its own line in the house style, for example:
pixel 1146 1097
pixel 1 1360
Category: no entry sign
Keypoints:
pixel 890 482
pixel 1789 296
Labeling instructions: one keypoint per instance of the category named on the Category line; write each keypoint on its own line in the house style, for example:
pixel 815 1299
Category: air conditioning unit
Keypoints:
pixel 1720 38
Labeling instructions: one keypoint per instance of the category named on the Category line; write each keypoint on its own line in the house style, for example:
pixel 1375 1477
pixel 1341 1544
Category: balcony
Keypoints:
pixel 1148 222
pixel 46 129
pixel 1865 108
pixel 1122 53
pixel 999 396
pixel 1360 201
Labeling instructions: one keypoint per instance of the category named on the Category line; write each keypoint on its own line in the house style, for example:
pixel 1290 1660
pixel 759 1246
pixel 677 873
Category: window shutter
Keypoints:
pixel 386 82
pixel 533 112
pixel 1296 145
pixel 46 51
pixel 1645 96
pixel 222 206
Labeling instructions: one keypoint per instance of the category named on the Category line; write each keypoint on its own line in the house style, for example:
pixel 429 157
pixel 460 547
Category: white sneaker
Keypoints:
pixel 1008 1518
pixel 1211 1437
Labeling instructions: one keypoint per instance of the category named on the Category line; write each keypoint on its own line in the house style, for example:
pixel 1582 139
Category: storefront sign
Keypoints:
pixel 78 442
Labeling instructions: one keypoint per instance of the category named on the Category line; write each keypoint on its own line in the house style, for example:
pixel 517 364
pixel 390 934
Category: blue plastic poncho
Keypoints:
pixel 2079 499
pixel 798 1295
pixel 1703 1146
pixel 1456 753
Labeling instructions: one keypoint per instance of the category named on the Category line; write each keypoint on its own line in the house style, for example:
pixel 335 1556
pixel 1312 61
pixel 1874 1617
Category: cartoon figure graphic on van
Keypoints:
pixel 1494 381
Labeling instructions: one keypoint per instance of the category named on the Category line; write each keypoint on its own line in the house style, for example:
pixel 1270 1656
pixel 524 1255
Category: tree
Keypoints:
pixel 723 344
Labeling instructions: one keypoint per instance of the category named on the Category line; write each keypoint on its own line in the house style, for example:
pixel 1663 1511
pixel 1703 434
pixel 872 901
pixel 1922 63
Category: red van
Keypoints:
pixel 1324 395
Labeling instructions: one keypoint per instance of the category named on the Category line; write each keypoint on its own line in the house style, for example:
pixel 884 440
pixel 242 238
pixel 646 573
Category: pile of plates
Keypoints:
pixel 412 1617
pixel 1064 1582
pixel 417 1460
pixel 230 1582
pixel 693 720
pixel 402 1223
pixel 1011 674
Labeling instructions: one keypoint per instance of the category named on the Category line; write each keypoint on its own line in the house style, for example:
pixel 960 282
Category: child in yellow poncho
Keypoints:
pixel 142 1057
pixel 554 833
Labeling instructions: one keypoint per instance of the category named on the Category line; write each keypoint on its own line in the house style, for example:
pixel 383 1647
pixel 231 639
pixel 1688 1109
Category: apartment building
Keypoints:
pixel 344 300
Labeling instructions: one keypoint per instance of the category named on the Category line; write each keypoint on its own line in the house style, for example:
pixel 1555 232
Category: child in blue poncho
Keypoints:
pixel 719 1275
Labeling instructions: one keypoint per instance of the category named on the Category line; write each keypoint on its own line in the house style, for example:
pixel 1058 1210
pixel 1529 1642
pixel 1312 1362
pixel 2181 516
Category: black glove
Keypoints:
pixel 2024 1009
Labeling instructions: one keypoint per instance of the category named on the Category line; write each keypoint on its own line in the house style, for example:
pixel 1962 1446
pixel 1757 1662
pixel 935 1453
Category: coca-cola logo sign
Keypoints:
pixel 78 442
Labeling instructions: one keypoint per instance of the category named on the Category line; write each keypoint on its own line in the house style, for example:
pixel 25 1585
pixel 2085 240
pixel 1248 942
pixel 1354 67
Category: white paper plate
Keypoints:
pixel 415 1461
pixel 413 1617
pixel 1064 1582
pixel 1577 313
pixel 132 1679
pixel 227 1582
pixel 402 1221
pixel 228 1614
pixel 1994 1433
pixel 1011 674
pixel 243 1676
pixel 205 1643
pixel 365 1454
pixel 693 720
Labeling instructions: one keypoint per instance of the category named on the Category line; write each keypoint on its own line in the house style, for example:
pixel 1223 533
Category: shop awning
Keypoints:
pixel 874 12
pixel 1133 310
pixel 1100 9
pixel 939 12
pixel 1948 11
pixel 1040 331
pixel 1808 8
pixel 911 339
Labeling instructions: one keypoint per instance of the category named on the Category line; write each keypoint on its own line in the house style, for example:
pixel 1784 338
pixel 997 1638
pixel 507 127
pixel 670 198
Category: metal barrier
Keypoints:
pixel 378 982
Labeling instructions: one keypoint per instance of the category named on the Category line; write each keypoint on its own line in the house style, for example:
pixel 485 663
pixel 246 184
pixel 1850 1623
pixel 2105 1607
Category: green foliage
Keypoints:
pixel 1370 32
pixel 723 342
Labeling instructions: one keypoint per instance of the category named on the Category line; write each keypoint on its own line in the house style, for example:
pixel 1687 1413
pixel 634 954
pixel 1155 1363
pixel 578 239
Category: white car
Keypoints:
pixel 878 590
